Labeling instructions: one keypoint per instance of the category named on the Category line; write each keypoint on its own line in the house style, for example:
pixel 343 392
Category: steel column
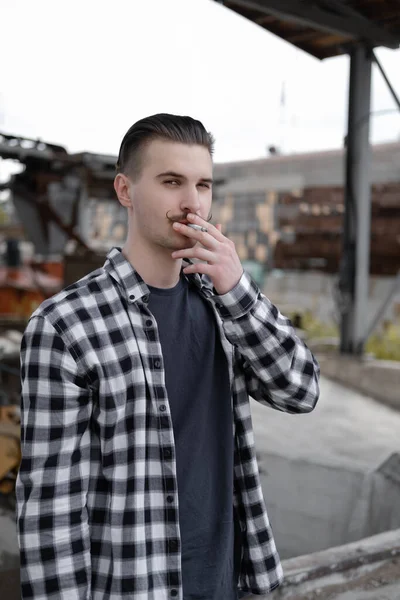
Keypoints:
pixel 354 275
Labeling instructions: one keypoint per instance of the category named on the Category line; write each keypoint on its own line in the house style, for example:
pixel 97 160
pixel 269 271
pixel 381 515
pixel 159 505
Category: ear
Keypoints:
pixel 121 187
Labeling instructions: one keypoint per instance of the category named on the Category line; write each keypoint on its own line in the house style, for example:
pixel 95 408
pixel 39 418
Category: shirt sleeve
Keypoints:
pixel 280 370
pixel 51 487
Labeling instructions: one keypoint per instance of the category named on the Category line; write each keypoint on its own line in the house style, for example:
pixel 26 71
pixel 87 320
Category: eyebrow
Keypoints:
pixel 180 176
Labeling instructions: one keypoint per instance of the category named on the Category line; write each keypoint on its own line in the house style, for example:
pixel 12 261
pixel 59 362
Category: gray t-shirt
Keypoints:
pixel 197 381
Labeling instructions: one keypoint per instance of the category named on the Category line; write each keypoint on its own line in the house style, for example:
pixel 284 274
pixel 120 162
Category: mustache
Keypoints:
pixel 183 217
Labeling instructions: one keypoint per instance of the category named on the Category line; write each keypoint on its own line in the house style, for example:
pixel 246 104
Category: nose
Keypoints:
pixel 190 200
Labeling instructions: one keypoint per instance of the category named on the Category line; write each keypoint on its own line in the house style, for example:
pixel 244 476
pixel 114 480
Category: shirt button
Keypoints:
pixel 173 545
pixel 174 593
pixel 170 499
pixel 149 322
pixel 157 364
pixel 163 408
pixel 145 298
pixel 131 297
pixel 167 453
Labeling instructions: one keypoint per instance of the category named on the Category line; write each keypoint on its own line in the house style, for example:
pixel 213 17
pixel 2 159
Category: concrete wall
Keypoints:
pixel 309 505
pixel 332 476
pixel 376 378
pixel 315 506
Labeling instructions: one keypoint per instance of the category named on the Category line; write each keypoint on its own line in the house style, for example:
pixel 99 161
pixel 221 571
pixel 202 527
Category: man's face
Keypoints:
pixel 175 179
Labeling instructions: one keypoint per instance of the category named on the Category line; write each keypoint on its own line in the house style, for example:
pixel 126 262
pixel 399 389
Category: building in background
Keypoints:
pixel 286 211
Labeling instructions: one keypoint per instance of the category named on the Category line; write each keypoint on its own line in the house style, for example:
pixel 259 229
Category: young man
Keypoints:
pixel 139 477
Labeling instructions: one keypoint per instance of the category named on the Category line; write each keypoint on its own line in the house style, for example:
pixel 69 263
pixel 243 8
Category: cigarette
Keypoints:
pixel 197 227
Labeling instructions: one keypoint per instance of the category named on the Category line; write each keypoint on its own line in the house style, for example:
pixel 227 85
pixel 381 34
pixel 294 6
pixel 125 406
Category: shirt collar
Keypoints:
pixel 121 270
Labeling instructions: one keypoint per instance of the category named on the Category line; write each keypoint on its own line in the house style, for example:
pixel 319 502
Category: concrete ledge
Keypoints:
pixel 378 379
pixel 337 572
pixel 342 558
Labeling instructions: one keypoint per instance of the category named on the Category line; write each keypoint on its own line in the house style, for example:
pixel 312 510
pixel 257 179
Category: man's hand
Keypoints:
pixel 222 264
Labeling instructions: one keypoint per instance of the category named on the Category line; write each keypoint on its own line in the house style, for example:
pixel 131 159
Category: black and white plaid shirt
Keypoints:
pixel 97 500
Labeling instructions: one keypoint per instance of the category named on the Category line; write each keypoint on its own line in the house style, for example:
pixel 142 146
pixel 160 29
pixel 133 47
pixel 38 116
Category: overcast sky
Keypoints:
pixel 79 73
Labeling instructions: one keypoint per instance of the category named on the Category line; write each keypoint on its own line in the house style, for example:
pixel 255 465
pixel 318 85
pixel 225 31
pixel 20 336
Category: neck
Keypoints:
pixel 155 265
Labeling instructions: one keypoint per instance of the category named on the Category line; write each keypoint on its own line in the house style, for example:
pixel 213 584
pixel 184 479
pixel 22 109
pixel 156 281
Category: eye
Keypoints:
pixel 173 182
pixel 205 185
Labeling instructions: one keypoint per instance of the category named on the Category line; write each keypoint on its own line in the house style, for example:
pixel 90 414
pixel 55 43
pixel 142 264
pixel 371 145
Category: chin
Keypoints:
pixel 176 243
pixel 181 242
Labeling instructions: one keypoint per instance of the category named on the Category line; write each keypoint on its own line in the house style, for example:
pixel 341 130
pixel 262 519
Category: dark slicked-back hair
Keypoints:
pixel 172 128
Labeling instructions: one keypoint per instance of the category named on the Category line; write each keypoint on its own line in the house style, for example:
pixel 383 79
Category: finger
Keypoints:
pixel 219 227
pixel 203 237
pixel 211 229
pixel 195 252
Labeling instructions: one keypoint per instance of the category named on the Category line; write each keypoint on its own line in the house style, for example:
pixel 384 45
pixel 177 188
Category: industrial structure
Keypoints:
pixel 323 28
pixel 64 199
pixel 326 28
pixel 282 212
pixel 53 197
pixel 286 212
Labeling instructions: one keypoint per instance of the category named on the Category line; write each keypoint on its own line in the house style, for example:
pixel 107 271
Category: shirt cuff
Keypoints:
pixel 239 300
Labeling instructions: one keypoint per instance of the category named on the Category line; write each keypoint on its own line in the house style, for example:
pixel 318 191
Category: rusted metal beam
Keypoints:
pixel 48 214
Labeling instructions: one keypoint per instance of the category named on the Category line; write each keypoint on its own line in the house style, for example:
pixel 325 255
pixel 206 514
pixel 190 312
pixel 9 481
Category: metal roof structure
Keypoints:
pixel 325 28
